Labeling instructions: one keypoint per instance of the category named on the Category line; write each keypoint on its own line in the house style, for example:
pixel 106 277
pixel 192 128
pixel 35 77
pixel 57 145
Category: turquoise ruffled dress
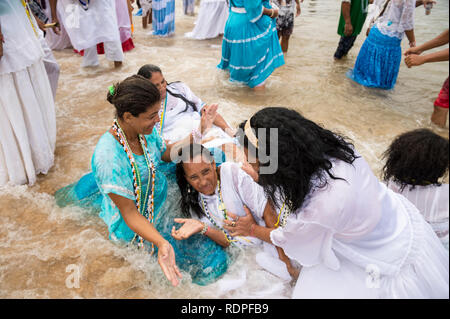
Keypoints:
pixel 111 172
pixel 251 49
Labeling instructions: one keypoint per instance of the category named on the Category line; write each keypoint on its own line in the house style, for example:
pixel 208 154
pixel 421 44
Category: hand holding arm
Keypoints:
pixel 348 28
pixel 56 28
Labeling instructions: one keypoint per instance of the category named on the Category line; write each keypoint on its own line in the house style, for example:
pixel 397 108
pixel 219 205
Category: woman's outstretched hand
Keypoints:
pixel 166 260
pixel 189 228
pixel 239 225
pixel 209 113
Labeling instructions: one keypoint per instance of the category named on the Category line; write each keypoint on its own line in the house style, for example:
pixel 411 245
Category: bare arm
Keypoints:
pixel 141 226
pixel 348 28
pixel 411 37
pixel 438 41
pixel 415 60
pixel 56 28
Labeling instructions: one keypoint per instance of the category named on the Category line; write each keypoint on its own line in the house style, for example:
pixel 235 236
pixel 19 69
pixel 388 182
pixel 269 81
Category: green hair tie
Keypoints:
pixel 111 89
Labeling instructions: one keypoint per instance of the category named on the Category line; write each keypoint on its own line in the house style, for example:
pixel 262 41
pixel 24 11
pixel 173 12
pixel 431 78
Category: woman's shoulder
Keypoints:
pixel 106 148
pixel 178 85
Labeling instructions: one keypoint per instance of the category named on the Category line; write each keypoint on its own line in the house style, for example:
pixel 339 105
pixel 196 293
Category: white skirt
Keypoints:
pixel 212 17
pixel 27 125
pixel 55 41
pixel 424 273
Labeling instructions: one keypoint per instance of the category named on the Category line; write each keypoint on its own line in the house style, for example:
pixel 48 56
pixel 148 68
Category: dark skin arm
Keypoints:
pixel 348 28
pixel 56 28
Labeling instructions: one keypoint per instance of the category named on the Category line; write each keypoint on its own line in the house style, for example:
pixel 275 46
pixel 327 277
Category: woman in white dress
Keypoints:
pixel 181 111
pixel 210 195
pixel 415 162
pixel 212 17
pixel 89 23
pixel 58 40
pixel 28 121
pixel 354 237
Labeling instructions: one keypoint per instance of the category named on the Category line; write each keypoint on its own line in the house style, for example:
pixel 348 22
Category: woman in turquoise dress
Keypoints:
pixel 251 50
pixel 129 190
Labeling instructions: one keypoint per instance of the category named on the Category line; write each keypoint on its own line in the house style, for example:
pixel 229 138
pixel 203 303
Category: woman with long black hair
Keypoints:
pixel 181 111
pixel 354 237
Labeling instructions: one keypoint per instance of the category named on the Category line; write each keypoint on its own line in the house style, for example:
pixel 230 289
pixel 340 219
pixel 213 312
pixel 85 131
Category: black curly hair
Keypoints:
pixel 418 157
pixel 135 94
pixel 304 154
pixel 189 196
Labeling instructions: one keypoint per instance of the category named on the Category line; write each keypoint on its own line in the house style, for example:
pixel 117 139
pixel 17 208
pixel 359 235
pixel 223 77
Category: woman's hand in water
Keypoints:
pixel 240 225
pixel 189 228
pixel 166 260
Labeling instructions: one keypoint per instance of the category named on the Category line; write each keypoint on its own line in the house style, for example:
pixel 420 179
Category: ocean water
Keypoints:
pixel 42 246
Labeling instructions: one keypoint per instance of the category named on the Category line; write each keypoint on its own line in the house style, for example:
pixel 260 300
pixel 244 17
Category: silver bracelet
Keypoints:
pixel 205 229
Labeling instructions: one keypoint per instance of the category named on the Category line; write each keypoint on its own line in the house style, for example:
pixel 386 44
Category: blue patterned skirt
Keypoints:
pixel 250 51
pixel 378 61
pixel 163 17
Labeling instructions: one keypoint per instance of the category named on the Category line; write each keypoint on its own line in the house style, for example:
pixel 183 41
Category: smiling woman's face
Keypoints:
pixel 201 175
pixel 160 82
pixel 144 122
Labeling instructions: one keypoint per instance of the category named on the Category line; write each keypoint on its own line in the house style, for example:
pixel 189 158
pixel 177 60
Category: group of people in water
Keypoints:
pixel 321 218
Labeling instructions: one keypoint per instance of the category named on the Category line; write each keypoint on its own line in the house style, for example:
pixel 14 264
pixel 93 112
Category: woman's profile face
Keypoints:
pixel 144 122
pixel 159 81
pixel 201 175
pixel 253 161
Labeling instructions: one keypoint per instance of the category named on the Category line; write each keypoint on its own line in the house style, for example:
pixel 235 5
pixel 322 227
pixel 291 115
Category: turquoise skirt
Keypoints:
pixel 199 256
pixel 378 61
pixel 250 51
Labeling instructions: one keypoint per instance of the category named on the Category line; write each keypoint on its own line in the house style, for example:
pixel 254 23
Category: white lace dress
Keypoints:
pixel 212 17
pixel 358 239
pixel 397 18
pixel 28 121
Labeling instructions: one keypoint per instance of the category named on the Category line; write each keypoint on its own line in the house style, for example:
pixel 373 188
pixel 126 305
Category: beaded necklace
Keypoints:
pixel 27 10
pixel 163 116
pixel 137 184
pixel 222 208
pixel 282 216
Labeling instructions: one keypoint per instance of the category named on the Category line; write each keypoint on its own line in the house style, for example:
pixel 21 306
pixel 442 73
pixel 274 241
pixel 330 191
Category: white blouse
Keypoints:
pixel 433 202
pixel 360 222
pixel 397 18
pixel 21 48
pixel 238 189
pixel 178 122
pixel 87 28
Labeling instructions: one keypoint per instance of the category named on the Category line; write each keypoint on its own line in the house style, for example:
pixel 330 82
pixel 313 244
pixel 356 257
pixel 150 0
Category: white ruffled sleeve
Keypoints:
pixel 407 17
pixel 251 193
pixel 308 235
pixel 188 94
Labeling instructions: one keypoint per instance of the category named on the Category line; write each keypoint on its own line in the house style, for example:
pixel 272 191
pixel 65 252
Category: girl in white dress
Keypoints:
pixel 212 17
pixel 210 195
pixel 354 237
pixel 415 162
pixel 89 23
pixel 181 111
pixel 28 121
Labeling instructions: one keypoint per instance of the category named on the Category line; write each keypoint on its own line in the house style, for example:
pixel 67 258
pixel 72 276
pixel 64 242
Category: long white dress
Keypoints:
pixel 87 28
pixel 433 203
pixel 212 17
pixel 28 121
pixel 178 122
pixel 358 239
